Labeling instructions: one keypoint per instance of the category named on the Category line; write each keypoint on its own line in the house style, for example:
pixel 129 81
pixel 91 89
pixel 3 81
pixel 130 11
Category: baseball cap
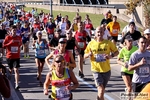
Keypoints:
pixel 39 33
pixel 128 37
pixel 147 31
pixel 62 40
pixel 131 20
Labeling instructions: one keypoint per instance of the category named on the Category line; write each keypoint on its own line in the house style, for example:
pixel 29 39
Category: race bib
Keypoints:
pixel 100 58
pixel 144 71
pixel 14 49
pixel 50 35
pixel 26 34
pixel 11 19
pixel 41 52
pixel 62 92
pixel 1 40
pixel 115 31
pixel 81 44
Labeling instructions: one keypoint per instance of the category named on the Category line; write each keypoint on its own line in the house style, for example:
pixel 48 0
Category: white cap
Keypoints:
pixel 147 31
pixel 131 20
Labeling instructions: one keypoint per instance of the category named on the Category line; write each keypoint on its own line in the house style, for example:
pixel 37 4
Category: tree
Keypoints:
pixel 131 6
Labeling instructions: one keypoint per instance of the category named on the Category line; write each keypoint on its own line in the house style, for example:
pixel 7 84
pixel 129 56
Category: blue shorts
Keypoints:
pixel 25 39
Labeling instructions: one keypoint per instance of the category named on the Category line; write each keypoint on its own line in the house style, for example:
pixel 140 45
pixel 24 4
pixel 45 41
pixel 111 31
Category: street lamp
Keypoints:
pixel 51 10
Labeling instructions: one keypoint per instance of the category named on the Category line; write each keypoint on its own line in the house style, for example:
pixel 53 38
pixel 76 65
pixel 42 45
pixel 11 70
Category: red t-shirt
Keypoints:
pixel 81 39
pixel 12 48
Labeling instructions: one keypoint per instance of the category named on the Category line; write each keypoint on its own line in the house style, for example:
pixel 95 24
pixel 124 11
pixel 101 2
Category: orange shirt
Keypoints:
pixel 12 45
pixel 114 28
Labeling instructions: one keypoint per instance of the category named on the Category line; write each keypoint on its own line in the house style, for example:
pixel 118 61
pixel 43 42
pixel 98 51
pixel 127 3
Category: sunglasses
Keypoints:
pixel 62 42
pixel 59 61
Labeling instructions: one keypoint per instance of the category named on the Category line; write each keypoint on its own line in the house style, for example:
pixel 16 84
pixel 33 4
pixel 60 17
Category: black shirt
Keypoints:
pixel 2 36
pixel 70 44
pixel 105 21
pixel 135 36
pixel 53 42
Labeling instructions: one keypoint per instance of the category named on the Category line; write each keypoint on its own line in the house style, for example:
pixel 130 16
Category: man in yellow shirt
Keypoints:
pixel 99 52
pixel 114 28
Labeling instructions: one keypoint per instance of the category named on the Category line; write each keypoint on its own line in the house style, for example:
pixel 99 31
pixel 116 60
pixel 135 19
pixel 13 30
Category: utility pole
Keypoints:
pixel 51 10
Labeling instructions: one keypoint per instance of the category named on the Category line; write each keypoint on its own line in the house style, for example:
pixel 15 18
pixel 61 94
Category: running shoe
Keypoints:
pixel 28 56
pixel 25 56
pixel 17 87
pixel 81 74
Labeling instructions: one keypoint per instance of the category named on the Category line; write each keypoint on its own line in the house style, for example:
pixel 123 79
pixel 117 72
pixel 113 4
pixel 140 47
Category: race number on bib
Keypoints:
pixel 81 44
pixel 100 58
pixel 41 52
pixel 144 71
pixel 50 35
pixel 62 92
pixel 14 49
pixel 115 31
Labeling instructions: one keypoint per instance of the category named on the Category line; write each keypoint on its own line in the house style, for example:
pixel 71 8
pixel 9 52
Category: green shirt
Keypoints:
pixel 125 55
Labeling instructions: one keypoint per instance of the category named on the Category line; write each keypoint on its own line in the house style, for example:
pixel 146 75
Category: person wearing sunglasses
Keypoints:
pixel 123 59
pixel 60 79
pixel 61 49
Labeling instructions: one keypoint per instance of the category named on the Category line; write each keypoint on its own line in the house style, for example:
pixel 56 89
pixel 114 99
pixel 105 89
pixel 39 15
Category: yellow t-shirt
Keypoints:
pixel 114 28
pixel 99 49
pixel 75 27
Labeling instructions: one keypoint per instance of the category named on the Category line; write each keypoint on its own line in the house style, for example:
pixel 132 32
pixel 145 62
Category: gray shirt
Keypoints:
pixel 142 73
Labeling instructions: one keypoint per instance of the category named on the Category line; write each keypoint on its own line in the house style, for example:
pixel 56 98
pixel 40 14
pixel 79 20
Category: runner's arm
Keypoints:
pixel 74 80
pixel 72 63
pixel 46 83
pixel 48 58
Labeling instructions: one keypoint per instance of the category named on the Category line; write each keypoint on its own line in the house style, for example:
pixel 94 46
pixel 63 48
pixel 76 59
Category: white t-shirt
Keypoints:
pixel 62 26
pixel 127 28
pixel 106 34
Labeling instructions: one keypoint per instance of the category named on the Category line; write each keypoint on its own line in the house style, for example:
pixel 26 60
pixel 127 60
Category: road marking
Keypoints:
pixel 13 92
pixel 93 88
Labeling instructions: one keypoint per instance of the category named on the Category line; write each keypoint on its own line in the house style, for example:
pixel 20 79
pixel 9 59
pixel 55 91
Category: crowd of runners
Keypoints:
pixel 70 40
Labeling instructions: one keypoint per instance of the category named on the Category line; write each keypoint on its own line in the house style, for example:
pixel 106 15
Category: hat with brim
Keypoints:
pixel 147 31
pixel 62 40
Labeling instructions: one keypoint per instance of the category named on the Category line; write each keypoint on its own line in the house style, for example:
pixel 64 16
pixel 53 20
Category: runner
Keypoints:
pixel 99 52
pixel 53 43
pixel 60 78
pixel 71 43
pixel 127 28
pixel 114 28
pixel 135 35
pixel 61 50
pixel 3 34
pixel 81 36
pixel 50 26
pixel 26 39
pixel 140 63
pixel 62 25
pixel 12 44
pixel 106 35
pixel 40 45
pixel 147 36
pixel 123 58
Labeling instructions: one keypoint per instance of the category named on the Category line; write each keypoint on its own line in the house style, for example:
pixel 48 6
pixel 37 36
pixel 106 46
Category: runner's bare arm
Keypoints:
pixel 48 58
pixel 72 64
pixel 74 80
pixel 46 83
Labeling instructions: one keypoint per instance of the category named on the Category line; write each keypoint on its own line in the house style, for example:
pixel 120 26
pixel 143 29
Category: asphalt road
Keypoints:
pixel 30 89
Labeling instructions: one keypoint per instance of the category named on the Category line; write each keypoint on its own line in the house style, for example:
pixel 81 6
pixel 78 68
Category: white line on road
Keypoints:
pixel 92 87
